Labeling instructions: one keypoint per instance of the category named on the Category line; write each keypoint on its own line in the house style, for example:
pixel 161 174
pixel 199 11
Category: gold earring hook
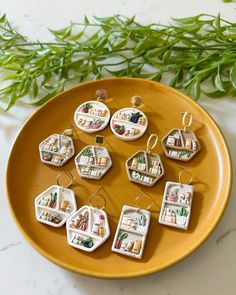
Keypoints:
pixel 96 194
pixel 187 116
pixel 149 146
pixel 186 172
pixel 141 195
pixel 69 175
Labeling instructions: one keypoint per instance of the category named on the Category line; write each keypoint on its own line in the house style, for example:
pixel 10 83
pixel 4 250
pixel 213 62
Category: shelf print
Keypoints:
pixel 131 232
pixel 56 150
pixel 180 145
pixel 176 205
pixel 87 229
pixel 55 205
pixel 144 168
pixel 129 123
pixel 93 162
pixel 92 116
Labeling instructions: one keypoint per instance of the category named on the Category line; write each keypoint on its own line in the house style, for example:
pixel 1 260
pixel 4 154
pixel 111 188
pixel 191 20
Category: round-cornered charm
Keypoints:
pixel 144 168
pixel 129 123
pixel 87 229
pixel 92 116
pixel 56 150
pixel 55 205
pixel 93 162
pixel 180 145
pixel 131 232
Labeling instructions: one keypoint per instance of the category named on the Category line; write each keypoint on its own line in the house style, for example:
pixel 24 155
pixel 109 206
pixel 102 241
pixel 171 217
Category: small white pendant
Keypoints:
pixel 181 144
pixel 88 228
pixel 176 205
pixel 93 115
pixel 55 205
pixel 56 150
pixel 131 232
pixel 145 167
pixel 129 123
pixel 93 161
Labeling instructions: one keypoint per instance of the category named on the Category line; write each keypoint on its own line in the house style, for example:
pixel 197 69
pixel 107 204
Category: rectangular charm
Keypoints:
pixel 176 205
pixel 131 232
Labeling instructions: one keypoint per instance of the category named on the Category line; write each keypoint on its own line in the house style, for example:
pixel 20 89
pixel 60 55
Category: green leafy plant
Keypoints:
pixel 141 159
pixel 192 50
pixel 182 212
pixel 87 153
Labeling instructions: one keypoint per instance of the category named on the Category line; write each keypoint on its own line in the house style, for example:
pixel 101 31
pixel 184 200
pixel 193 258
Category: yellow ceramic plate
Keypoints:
pixel 27 177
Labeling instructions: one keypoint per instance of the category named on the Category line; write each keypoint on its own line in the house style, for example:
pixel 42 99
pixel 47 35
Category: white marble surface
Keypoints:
pixel 211 269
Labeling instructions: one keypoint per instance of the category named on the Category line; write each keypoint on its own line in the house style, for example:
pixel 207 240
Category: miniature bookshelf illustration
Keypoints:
pixel 56 150
pixel 129 123
pixel 176 205
pixel 87 229
pixel 93 161
pixel 144 168
pixel 55 205
pixel 180 145
pixel 131 232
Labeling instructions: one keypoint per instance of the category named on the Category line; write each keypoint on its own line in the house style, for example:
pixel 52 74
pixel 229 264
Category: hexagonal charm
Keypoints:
pixel 129 123
pixel 56 150
pixel 87 229
pixel 144 168
pixel 93 162
pixel 180 145
pixel 55 205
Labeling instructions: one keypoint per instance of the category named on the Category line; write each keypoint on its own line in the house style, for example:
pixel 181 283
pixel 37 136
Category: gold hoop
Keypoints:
pixel 142 194
pixel 70 176
pixel 184 120
pixel 99 195
pixel 153 135
pixel 187 172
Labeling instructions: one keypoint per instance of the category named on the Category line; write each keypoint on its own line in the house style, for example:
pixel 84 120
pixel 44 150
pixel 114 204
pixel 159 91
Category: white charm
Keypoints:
pixel 93 116
pixel 87 229
pixel 145 167
pixel 131 232
pixel 56 150
pixel 181 144
pixel 176 205
pixel 129 123
pixel 55 205
pixel 93 162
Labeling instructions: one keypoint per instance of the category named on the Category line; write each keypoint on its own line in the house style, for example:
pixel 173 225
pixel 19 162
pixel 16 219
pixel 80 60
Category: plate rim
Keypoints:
pixel 153 269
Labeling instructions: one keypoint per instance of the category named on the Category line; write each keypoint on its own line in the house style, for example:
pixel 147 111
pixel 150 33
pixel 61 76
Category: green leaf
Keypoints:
pixel 176 78
pixel 76 37
pixel 3 18
pixel 217 22
pixel 12 100
pixel 196 88
pixel 215 94
pixel 86 21
pixel 141 45
pixel 166 56
pixel 11 77
pixel 153 52
pixel 233 75
pixel 187 20
pixel 218 81
pixel 35 89
pixel 12 67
